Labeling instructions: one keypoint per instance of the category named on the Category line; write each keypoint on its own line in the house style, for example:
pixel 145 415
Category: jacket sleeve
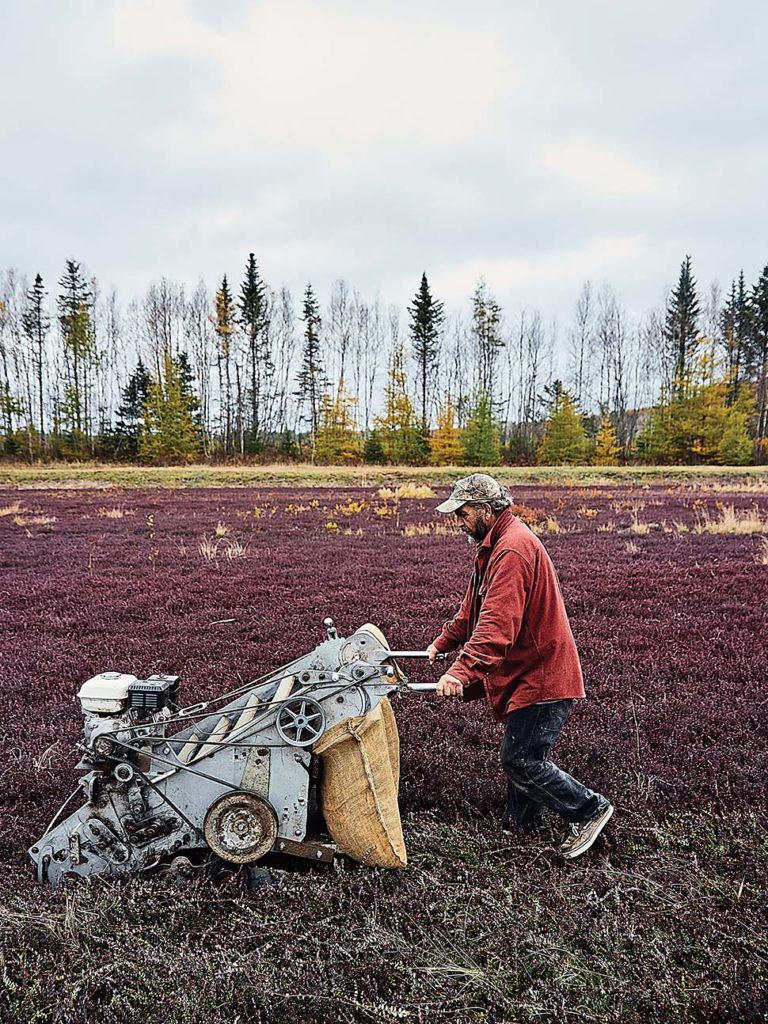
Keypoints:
pixel 454 632
pixel 509 582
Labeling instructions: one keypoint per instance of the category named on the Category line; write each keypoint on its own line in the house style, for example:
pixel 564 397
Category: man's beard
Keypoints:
pixel 478 535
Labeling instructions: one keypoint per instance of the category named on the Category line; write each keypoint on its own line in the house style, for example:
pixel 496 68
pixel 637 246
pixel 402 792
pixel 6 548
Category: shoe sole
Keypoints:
pixel 607 815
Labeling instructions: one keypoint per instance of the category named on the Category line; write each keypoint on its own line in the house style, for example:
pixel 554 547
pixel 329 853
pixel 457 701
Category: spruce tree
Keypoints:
pixel 756 351
pixel 253 308
pixel 74 308
pixel 131 413
pixel 36 324
pixel 481 437
pixel 734 324
pixel 311 379
pixel 426 316
pixel 681 323
pixel 564 442
pixel 373 449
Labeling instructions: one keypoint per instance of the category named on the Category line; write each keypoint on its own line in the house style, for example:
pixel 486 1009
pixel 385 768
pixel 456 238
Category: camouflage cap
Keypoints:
pixel 477 487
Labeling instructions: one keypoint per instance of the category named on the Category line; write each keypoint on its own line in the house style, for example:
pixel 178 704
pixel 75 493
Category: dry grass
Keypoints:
pixel 428 530
pixel 607 527
pixel 638 527
pixel 632 549
pixel 234 549
pixel 409 490
pixel 211 550
pixel 33 520
pixel 761 557
pixel 731 520
pixel 12 510
pixel 115 513
pixel 81 475
pixel 221 529
pixel 551 525
pixel 208 548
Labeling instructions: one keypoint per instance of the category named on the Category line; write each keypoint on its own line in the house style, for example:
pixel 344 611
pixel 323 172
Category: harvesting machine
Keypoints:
pixel 234 778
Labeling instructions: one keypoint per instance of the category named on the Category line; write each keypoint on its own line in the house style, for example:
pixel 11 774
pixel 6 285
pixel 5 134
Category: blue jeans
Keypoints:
pixel 534 782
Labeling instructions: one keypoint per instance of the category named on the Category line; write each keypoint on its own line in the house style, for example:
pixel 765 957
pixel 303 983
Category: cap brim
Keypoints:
pixel 451 505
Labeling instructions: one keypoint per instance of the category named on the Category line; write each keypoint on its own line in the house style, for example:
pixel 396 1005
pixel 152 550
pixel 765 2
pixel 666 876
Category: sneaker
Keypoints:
pixel 584 833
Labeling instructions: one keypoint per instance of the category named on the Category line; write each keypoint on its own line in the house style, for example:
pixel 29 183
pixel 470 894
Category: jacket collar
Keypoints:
pixel 493 534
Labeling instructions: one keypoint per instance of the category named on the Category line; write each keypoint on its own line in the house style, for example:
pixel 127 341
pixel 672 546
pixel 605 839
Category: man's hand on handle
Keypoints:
pixel 448 686
pixel 432 653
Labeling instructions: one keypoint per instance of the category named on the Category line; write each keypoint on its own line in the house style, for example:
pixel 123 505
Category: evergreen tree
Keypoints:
pixel 75 320
pixel 36 323
pixel 338 441
pixel 445 442
pixel 607 446
pixel 481 437
pixel 734 324
pixel 756 351
pixel 373 449
pixel 224 325
pixel 681 322
pixel 564 442
pixel 168 433
pixel 130 414
pixel 311 379
pixel 426 317
pixel 401 437
pixel 188 389
pixel 254 316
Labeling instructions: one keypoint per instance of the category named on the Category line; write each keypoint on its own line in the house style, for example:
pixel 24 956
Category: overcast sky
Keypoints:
pixel 535 143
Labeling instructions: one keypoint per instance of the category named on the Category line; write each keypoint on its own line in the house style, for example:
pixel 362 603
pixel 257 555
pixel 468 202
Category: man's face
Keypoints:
pixel 475 521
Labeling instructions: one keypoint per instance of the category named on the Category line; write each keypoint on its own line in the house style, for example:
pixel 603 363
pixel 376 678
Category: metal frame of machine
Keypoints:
pixel 234 776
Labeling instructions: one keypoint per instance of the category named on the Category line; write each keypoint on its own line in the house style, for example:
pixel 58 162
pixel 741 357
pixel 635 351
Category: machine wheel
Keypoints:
pixel 240 827
pixel 301 722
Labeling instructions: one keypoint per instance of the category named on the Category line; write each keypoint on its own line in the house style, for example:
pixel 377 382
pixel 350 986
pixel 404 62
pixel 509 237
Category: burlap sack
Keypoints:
pixel 358 787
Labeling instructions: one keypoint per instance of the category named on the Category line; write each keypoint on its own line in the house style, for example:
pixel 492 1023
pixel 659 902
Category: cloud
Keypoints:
pixel 305 75
pixel 565 268
pixel 599 169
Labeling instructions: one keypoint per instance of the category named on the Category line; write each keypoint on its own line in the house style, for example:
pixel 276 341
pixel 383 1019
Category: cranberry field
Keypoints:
pixel 663 921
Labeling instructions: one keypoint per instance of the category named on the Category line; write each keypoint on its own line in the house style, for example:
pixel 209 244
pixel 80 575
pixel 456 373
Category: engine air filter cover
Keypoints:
pixel 153 694
pixel 240 827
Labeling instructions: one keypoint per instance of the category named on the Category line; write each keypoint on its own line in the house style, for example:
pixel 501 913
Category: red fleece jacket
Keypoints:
pixel 518 645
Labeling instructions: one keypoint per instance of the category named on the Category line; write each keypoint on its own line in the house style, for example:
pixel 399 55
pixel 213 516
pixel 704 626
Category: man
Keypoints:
pixel 519 653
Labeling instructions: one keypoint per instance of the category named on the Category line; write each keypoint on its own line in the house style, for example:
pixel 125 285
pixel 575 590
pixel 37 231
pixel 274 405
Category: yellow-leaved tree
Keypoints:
pixel 607 445
pixel 445 441
pixel 338 441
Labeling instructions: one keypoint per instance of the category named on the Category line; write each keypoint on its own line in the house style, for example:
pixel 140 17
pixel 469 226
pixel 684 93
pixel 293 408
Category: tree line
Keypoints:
pixel 246 372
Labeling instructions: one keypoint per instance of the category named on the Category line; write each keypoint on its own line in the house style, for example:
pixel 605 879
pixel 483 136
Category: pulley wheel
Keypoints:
pixel 301 721
pixel 240 827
